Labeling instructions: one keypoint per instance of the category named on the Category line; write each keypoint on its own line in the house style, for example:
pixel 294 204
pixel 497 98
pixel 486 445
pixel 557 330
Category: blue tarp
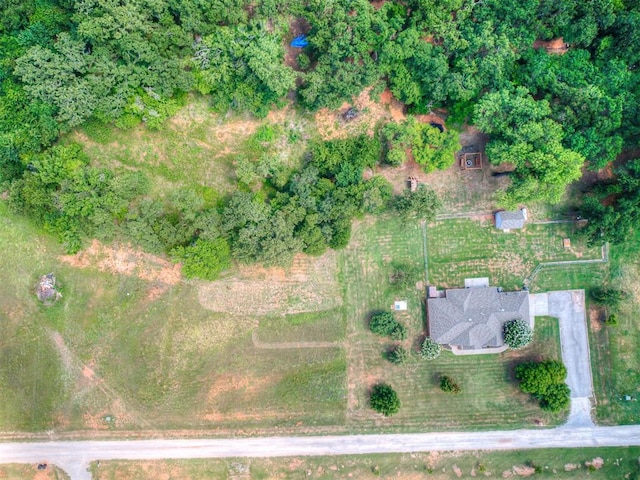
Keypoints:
pixel 300 41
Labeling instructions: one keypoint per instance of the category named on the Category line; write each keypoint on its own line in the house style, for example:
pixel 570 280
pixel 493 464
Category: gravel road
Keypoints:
pixel 74 456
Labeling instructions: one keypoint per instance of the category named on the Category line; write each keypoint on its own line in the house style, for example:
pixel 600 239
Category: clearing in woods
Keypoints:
pixel 489 398
pixel 194 148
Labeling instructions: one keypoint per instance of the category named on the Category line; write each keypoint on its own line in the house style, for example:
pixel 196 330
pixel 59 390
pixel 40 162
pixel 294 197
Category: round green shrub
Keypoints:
pixel 397 355
pixel 517 333
pixel 430 350
pixel 448 385
pixel 384 400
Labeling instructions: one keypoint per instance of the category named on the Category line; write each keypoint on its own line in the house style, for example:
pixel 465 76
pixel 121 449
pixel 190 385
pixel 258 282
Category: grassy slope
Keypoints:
pixel 618 463
pixel 194 148
pixel 31 384
pixel 163 362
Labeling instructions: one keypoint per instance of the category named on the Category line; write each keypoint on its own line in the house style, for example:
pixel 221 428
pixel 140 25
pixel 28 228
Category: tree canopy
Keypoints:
pixel 545 381
pixel 126 62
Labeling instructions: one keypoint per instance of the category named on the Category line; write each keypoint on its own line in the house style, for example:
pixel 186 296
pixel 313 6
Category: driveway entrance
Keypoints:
pixel 569 308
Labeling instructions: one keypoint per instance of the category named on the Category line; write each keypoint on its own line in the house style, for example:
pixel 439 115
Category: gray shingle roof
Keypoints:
pixel 472 318
pixel 510 220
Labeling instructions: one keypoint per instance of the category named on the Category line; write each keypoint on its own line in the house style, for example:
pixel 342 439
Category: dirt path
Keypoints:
pixel 85 378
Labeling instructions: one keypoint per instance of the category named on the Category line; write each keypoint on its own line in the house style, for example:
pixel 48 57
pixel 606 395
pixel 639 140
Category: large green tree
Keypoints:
pixel 522 134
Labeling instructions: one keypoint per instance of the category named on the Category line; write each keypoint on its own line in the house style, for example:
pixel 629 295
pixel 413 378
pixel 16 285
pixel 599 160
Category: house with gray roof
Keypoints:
pixel 473 318
pixel 506 220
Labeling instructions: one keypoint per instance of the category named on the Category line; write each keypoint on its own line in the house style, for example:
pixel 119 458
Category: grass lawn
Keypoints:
pixel 323 326
pixel 615 351
pixel 31 378
pixel 30 472
pixel 112 347
pixel 490 397
pixel 464 248
pixel 549 463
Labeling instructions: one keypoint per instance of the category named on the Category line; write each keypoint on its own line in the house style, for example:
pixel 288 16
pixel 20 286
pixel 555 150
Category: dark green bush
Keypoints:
pixel 384 400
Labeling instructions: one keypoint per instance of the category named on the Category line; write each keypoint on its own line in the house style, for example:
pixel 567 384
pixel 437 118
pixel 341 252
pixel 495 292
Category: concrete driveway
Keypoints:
pixel 569 308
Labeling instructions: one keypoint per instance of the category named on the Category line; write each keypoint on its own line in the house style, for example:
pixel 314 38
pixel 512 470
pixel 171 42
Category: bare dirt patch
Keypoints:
pixel 596 463
pixel 231 130
pixel 460 190
pixel 308 285
pixel 396 107
pixel 523 470
pixel 123 259
pixel 438 117
pixel 557 46
pixel 596 314
pixel 331 124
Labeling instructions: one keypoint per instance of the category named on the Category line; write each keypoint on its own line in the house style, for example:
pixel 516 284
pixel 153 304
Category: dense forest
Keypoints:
pixel 126 62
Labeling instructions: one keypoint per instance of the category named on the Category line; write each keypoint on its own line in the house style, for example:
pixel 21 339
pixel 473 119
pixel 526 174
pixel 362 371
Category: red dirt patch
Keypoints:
pixel 125 260
pixel 331 123
pixel 438 117
pixel 556 46
pixel 596 463
pixel 596 314
pixel 396 107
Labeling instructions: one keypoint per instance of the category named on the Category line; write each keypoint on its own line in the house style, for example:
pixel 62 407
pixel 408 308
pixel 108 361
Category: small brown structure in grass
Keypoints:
pixel 413 183
pixel 46 290
pixel 471 161
pixel 566 243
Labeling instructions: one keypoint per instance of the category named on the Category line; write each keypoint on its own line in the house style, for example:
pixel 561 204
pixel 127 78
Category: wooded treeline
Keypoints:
pixel 123 62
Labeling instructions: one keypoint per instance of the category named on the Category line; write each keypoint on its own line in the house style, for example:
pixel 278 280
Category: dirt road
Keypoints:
pixel 75 456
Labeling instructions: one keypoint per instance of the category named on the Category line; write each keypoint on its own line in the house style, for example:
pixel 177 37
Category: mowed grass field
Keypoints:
pixel 490 397
pixel 561 463
pixel 465 248
pixel 114 347
pixel 615 351
pixel 30 472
